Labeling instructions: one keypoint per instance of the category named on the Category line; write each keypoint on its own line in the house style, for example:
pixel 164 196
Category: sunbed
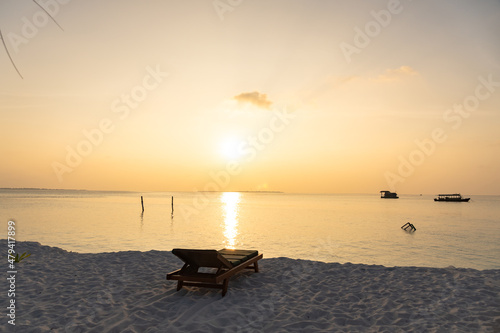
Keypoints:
pixel 212 268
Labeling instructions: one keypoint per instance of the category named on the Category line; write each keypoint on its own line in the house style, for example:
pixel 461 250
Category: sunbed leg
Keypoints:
pixel 224 287
pixel 256 266
pixel 179 285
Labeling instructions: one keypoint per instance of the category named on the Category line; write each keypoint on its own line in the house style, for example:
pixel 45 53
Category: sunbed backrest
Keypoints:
pixel 202 258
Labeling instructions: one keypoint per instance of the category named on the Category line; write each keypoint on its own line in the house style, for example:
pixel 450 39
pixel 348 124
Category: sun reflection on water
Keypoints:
pixel 231 201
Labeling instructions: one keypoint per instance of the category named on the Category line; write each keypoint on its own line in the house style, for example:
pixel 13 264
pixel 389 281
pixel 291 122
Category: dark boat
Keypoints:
pixel 451 197
pixel 388 195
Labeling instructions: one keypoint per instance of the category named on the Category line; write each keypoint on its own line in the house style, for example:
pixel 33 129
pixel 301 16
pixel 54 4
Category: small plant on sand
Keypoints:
pixel 23 256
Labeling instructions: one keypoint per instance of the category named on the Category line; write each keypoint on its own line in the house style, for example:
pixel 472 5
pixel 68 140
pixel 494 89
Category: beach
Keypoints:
pixel 61 291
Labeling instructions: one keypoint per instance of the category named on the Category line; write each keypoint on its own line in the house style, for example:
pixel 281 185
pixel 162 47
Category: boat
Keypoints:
pixel 388 195
pixel 451 197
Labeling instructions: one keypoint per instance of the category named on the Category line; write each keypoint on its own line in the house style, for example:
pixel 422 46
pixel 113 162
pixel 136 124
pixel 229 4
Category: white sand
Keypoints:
pixel 60 291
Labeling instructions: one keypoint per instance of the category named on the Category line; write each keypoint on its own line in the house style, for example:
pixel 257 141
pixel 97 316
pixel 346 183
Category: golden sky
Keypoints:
pixel 294 96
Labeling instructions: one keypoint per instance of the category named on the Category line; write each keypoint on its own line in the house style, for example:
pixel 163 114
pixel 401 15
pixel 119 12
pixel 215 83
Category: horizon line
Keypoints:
pixel 239 191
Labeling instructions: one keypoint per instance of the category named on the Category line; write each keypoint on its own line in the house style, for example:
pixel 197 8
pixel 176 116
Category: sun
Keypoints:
pixel 229 148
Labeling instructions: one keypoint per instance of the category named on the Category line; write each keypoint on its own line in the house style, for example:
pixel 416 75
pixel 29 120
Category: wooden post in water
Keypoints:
pixel 172 206
pixel 142 204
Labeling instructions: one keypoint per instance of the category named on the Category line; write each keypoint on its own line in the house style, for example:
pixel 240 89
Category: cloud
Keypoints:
pixel 357 81
pixel 397 73
pixel 254 98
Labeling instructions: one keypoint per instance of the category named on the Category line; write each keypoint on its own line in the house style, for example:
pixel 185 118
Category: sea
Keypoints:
pixel 355 228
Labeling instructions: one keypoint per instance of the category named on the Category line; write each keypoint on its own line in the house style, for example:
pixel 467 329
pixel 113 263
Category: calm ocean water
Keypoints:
pixel 330 228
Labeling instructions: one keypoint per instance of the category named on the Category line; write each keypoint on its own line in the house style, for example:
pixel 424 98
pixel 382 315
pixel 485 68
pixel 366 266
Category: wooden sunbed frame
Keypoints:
pixel 188 275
